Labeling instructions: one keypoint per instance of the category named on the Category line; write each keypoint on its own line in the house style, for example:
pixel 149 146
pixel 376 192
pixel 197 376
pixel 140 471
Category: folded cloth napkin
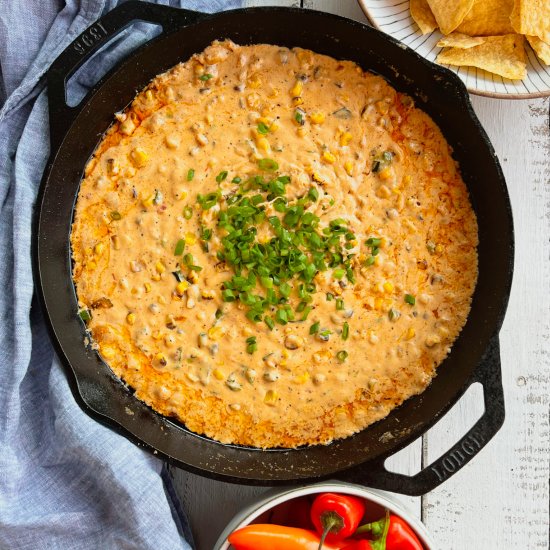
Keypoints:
pixel 66 481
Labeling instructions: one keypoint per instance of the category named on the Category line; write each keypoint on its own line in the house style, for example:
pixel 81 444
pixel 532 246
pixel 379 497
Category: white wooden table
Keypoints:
pixel 500 500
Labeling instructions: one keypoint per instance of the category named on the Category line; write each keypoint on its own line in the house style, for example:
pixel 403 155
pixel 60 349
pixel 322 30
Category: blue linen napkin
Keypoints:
pixel 66 481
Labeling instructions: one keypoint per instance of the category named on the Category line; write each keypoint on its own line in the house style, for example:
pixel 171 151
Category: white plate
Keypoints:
pixel 393 18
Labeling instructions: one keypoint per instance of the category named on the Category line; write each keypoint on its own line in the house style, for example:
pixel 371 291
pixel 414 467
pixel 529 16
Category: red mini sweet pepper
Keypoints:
pixel 336 516
pixel 400 535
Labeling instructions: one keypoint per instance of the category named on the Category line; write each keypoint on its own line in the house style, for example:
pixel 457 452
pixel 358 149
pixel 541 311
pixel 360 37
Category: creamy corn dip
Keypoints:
pixel 273 246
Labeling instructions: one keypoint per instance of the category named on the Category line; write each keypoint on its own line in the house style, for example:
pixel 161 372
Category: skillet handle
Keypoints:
pixel 488 373
pixel 90 41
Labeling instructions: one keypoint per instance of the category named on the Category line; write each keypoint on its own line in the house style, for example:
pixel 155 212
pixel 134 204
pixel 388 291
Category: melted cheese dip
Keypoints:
pixel 333 348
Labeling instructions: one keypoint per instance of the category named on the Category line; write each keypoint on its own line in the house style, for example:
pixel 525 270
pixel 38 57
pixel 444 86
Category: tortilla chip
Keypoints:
pixel 423 16
pixel 449 14
pixel 488 18
pixel 502 55
pixel 532 17
pixel 458 40
pixel 542 49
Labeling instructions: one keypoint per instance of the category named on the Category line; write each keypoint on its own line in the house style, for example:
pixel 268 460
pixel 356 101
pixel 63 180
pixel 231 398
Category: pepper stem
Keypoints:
pixel 330 520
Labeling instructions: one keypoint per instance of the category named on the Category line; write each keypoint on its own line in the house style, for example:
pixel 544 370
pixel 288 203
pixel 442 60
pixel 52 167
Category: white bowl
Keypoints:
pixel 277 496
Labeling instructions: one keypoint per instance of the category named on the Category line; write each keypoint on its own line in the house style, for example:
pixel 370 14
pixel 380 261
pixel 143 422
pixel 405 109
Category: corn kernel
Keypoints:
pixel 386 173
pixel 297 101
pixel 98 248
pixel 383 192
pixel 439 248
pixel 161 358
pixel 155 277
pixel 302 378
pixel 388 287
pixel 301 131
pixel 139 157
pixel 148 202
pixel 274 126
pixel 112 167
pixel 407 180
pixel 190 238
pixel 253 100
pixel 263 144
pixel 378 303
pixel 297 89
pixel 193 277
pixel 149 95
pixel 202 140
pixel 91 265
pixel 317 118
pixel 328 157
pixel 157 335
pixel 181 287
pixel 131 318
pixel 159 267
pixel 147 287
pixel 345 139
pixel 382 107
pixel 410 334
pixel 254 81
pixel 348 167
pixel 107 353
pixel 162 300
pixel 218 374
pixel 270 397
pixel 215 333
pixel 274 93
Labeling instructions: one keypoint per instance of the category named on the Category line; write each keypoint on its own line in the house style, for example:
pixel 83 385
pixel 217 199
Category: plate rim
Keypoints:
pixel 475 91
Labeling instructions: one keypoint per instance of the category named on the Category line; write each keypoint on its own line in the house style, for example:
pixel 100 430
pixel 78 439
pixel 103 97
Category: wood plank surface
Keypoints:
pixel 500 499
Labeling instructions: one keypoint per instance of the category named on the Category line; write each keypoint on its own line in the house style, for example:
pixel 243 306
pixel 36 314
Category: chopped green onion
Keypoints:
pixel 180 246
pixel 221 176
pixel 251 346
pixel 262 128
pixel 313 194
pixel 187 212
pixel 205 77
pixel 345 331
pixel 314 328
pixel 190 174
pixel 339 304
pixel 374 241
pixel 281 316
pixel 228 295
pixel 218 313
pixel 236 180
pixel 115 215
pixel 330 296
pixel 306 312
pixel 269 322
pixel 299 117
pixel 393 314
pixel 85 314
pixel 338 273
pixel 410 299
pixel 268 165
pixel 342 356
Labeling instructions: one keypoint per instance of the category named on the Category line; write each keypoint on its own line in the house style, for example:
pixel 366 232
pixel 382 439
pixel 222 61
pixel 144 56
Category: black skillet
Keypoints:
pixel 75 132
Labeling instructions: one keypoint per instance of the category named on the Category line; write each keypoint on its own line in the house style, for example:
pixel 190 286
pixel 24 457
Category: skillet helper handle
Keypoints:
pixel 488 373
pixel 91 40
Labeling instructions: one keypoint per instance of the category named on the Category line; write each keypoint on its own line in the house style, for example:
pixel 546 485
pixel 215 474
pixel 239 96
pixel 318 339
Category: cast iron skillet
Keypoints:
pixel 75 133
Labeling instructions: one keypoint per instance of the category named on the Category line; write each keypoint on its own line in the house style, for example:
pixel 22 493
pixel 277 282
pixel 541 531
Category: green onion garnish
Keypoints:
pixel 85 314
pixel 314 329
pixel 180 246
pixel 251 345
pixel 190 174
pixel 262 128
pixel 115 215
pixel 269 322
pixel 410 299
pixel 206 77
pixel 339 304
pixel 345 331
pixel 268 165
pixel 187 212
pixel 342 356
pixel 221 176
